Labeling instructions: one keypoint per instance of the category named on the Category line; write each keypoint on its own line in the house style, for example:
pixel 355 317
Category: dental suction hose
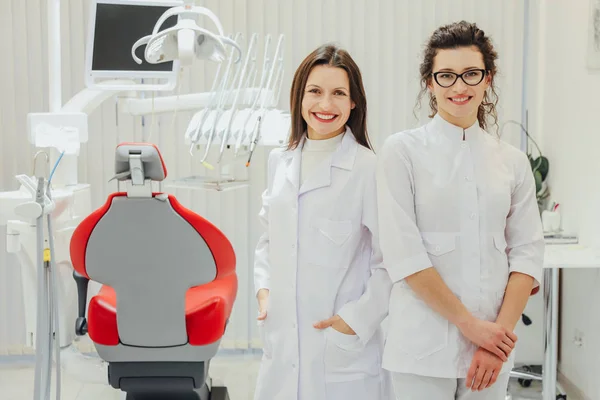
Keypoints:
pixel 55 306
pixel 48 326
pixel 40 339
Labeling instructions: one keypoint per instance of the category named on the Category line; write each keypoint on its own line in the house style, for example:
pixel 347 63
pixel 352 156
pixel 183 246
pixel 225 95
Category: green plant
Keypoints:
pixel 540 166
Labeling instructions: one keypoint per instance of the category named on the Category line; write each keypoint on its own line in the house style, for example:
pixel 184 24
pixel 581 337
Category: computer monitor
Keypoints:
pixel 114 27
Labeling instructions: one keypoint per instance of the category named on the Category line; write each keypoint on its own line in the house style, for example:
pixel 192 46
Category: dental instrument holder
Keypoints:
pixel 277 60
pixel 228 175
pixel 40 205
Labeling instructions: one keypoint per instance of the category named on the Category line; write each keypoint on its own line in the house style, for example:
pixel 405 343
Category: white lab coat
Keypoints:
pixel 319 256
pixel 466 207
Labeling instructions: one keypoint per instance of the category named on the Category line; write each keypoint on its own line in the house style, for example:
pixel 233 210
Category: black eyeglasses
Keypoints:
pixel 472 77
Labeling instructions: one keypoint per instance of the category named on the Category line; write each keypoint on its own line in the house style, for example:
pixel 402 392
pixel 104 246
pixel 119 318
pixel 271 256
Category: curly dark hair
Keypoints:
pixel 462 34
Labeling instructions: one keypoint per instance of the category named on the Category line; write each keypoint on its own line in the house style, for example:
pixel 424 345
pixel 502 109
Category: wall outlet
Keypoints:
pixel 578 338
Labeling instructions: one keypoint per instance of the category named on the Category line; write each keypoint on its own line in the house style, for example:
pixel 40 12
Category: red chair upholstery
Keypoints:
pixel 169 282
pixel 207 307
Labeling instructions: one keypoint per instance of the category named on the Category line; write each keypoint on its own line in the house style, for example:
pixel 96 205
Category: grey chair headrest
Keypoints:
pixel 132 160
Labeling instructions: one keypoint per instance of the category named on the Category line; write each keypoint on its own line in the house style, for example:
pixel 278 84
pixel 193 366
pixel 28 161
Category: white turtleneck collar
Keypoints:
pixel 328 145
pixel 316 152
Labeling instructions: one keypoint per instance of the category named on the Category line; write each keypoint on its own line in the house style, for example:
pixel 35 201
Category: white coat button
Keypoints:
pixel 294 366
pixel 294 325
pixel 293 246
pixel 473 215
pixel 437 248
pixel 463 145
pixel 468 178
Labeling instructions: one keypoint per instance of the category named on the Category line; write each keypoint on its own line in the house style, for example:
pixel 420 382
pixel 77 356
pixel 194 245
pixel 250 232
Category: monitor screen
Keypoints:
pixel 117 28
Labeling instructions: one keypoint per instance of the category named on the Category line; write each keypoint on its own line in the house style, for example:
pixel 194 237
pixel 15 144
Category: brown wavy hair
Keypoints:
pixel 329 54
pixel 452 36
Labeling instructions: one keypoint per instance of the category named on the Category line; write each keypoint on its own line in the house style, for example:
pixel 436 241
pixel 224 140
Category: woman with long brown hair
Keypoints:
pixel 319 278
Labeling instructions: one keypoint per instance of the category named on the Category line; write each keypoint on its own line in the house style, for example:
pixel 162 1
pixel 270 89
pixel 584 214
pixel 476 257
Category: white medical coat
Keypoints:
pixel 466 207
pixel 319 256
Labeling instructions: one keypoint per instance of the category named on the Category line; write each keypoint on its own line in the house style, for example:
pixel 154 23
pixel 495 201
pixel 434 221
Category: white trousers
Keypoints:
pixel 415 387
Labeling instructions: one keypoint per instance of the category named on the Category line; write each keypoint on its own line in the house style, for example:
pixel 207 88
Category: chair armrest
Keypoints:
pixel 81 327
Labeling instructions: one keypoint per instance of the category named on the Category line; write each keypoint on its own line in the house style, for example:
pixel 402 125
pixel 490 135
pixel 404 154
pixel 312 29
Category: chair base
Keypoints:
pixel 217 393
pixel 164 381
pixel 526 374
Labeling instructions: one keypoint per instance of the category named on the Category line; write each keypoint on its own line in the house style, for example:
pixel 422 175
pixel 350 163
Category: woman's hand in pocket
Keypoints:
pixel 337 323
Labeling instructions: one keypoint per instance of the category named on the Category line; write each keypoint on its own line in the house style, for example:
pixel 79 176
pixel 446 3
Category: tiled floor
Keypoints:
pixel 237 372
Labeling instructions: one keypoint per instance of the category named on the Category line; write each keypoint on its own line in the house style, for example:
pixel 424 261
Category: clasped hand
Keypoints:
pixel 491 336
pixel 496 343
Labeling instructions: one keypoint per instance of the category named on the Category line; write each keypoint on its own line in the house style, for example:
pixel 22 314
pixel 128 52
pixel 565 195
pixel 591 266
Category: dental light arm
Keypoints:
pixel 188 11
pixel 138 43
pixel 81 327
pixel 186 39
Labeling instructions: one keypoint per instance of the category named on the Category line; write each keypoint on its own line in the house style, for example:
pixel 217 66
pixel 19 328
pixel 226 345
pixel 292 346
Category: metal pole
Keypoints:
pixel 551 294
pixel 66 173
pixel 54 54
pixel 524 91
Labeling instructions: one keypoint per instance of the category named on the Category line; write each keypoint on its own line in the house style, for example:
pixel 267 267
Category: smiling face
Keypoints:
pixel 326 104
pixel 458 103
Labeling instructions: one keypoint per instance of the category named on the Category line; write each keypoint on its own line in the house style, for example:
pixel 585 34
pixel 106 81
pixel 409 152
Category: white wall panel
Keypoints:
pixel 385 37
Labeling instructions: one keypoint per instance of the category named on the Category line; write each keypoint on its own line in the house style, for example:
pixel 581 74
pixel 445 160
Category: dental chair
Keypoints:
pixel 169 285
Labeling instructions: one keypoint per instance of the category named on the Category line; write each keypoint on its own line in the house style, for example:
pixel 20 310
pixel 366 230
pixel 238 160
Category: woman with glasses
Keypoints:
pixel 460 231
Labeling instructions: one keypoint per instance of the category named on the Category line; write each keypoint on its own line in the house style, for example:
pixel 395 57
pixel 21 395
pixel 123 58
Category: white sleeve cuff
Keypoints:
pixel 261 284
pixel 408 267
pixel 529 268
pixel 348 314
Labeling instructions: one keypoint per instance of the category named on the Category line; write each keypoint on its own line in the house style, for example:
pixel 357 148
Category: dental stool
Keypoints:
pixel 169 285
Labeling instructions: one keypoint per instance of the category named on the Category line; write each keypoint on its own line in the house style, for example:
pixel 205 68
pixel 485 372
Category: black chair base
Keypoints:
pixel 164 381
pixel 217 393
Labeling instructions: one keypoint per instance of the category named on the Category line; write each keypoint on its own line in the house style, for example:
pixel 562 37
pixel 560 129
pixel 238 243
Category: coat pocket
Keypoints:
pixel 500 242
pixel 441 249
pixel 337 232
pixel 439 243
pixel 419 331
pixel 264 338
pixel 330 239
pixel 346 358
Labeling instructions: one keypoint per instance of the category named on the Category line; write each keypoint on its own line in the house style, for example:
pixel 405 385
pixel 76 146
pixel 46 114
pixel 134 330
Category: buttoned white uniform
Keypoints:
pixel 319 256
pixel 464 202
